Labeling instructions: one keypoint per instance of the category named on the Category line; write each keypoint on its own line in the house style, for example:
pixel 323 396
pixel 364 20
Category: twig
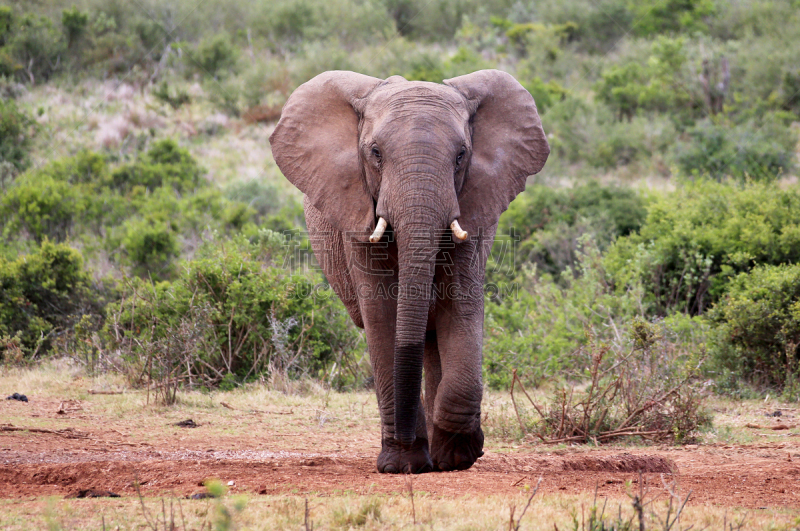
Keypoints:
pixel 514 402
pixel 144 509
pixel 307 524
pixel 514 526
pixel 410 485
pixel 67 433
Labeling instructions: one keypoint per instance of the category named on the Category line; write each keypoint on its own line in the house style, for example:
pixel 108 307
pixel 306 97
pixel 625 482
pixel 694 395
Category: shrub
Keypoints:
pixel 697 238
pixel 165 164
pixel 234 313
pixel 75 23
pixel 548 223
pixel 535 324
pixel 16 131
pixel 149 246
pixel 641 385
pixel 672 16
pixel 43 295
pixel 36 45
pixel 213 57
pixel 660 81
pixel 41 207
pixel 757 150
pixel 758 326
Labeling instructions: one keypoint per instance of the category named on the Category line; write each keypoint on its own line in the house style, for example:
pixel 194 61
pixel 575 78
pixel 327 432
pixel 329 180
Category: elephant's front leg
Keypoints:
pixel 456 437
pixel 455 412
pixel 372 270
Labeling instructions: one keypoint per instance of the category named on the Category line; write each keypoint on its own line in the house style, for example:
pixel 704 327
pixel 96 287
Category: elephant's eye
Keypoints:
pixel 460 156
pixel 376 153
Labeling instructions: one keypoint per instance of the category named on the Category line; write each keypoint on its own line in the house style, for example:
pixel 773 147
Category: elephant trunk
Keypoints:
pixel 413 305
pixel 420 212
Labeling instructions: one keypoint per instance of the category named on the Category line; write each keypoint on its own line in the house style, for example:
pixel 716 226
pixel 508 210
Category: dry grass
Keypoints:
pixel 368 512
pixel 296 406
pixel 328 418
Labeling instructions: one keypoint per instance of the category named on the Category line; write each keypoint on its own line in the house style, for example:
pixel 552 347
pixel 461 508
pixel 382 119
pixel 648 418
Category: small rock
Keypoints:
pixel 17 396
pixel 231 483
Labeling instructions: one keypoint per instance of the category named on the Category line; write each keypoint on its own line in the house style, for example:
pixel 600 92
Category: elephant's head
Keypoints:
pixel 416 155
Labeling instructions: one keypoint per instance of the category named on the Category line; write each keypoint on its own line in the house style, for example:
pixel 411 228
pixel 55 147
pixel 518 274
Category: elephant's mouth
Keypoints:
pixel 459 233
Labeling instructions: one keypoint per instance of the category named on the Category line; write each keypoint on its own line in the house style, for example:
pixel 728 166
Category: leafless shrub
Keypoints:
pixel 641 391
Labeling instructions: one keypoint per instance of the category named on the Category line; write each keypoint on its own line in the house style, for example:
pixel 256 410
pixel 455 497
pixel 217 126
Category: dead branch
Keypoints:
pixel 67 433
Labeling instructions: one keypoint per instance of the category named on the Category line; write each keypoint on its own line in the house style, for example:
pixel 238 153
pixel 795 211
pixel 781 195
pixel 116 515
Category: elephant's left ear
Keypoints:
pixel 508 145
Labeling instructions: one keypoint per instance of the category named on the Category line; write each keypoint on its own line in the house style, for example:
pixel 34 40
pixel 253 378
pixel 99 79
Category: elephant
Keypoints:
pixel 404 183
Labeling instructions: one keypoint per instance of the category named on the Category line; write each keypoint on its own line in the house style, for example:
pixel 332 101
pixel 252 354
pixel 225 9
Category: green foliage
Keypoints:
pixel 41 207
pixel 149 246
pixel 534 324
pixel 761 149
pixel 234 310
pixel 16 131
pixel 758 326
pixel 165 164
pixel 697 238
pixel 43 295
pixel 6 18
pixel 75 23
pixel 545 94
pixel 213 57
pixel 671 16
pixel 544 225
pixel 174 98
pixel 36 45
pixel 657 84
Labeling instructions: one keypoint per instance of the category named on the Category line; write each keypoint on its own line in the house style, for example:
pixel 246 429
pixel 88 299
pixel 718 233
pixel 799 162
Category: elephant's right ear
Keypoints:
pixel 315 144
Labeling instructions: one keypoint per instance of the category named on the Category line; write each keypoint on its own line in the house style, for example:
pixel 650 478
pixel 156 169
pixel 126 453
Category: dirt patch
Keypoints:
pixel 44 453
pixel 732 477
pixel 646 464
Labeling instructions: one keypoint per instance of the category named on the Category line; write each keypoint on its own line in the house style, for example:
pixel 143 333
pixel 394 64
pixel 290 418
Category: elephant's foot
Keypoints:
pixel 394 459
pixel 456 451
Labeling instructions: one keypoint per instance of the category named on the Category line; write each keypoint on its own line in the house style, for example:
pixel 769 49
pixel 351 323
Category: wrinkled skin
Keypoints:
pixel 419 155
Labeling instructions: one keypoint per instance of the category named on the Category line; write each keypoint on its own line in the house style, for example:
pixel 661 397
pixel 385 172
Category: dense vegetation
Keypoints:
pixel 129 254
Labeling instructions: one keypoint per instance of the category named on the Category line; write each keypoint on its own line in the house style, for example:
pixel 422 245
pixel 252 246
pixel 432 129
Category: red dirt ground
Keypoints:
pixel 103 457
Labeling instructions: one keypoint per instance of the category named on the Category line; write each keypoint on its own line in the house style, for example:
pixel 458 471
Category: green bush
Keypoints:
pixel 758 327
pixel 235 311
pixel 75 23
pixel 16 131
pixel 36 45
pixel 149 246
pixel 696 239
pixel 213 57
pixel 659 80
pixel 757 150
pixel 165 164
pixel 41 208
pixel 536 322
pixel 655 16
pixel 43 295
pixel 544 225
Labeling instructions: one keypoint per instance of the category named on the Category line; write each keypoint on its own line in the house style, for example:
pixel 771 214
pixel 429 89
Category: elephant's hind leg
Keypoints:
pixel 433 376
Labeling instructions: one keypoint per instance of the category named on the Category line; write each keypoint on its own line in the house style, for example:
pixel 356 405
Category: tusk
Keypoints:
pixel 460 233
pixel 379 228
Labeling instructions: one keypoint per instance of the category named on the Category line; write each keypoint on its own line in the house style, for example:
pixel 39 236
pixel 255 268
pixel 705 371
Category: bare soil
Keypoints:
pixel 274 452
pixel 79 451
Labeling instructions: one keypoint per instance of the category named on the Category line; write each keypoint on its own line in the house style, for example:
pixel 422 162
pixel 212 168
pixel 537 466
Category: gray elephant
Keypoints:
pixel 404 183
